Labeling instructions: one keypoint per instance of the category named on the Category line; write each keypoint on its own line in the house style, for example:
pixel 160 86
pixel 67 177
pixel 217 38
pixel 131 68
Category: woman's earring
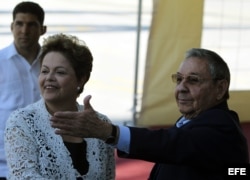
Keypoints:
pixel 78 88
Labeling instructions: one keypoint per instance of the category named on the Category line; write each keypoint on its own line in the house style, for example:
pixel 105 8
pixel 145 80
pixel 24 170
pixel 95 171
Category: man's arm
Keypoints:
pixel 81 124
pixel 86 124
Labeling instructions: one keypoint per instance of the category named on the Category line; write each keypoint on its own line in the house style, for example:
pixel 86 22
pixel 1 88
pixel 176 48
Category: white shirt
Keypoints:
pixel 18 88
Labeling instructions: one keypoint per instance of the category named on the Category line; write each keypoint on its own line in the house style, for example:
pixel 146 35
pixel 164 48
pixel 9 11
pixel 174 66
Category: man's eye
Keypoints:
pixel 33 24
pixel 193 79
pixel 18 23
pixel 179 79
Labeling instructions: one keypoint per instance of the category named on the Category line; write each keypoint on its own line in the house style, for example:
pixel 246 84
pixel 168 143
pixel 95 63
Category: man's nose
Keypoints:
pixel 25 28
pixel 182 86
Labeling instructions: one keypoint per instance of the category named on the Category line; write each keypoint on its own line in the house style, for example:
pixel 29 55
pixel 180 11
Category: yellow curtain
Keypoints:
pixel 176 27
pixel 239 102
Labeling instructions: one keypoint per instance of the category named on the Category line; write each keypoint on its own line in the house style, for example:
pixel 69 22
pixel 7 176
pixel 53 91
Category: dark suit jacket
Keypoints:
pixel 201 149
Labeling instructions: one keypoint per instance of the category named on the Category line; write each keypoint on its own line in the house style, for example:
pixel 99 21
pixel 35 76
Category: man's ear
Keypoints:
pixel 44 30
pixel 11 26
pixel 222 87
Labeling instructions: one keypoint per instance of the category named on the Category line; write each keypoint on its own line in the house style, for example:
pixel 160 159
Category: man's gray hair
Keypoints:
pixel 218 67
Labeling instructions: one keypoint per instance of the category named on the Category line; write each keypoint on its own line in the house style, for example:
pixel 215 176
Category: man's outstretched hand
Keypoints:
pixel 85 124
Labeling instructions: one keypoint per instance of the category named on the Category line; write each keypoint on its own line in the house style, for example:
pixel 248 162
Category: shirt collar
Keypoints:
pixel 11 51
pixel 182 121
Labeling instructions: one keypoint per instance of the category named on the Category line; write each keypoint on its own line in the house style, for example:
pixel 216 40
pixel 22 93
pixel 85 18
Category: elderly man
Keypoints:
pixel 205 140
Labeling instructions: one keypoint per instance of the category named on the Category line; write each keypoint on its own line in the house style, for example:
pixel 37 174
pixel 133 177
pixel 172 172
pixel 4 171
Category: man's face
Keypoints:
pixel 195 90
pixel 26 30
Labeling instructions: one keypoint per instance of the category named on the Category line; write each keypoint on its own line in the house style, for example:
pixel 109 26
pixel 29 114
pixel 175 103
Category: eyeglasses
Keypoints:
pixel 190 79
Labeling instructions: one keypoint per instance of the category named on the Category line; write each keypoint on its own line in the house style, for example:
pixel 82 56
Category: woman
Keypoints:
pixel 33 150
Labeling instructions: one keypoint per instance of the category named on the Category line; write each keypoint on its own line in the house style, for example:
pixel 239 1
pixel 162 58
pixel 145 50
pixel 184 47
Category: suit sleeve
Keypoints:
pixel 214 138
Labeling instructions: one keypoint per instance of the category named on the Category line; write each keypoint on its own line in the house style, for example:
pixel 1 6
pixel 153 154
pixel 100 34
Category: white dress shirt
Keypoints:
pixel 18 88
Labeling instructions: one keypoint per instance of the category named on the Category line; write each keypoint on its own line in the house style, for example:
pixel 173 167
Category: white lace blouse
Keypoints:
pixel 34 151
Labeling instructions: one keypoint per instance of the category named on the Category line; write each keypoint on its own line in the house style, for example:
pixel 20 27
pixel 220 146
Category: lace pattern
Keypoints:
pixel 34 151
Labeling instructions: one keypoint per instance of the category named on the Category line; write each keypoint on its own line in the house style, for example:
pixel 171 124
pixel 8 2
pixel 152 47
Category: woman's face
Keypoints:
pixel 57 79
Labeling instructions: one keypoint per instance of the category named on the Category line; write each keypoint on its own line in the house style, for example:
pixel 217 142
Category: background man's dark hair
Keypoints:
pixel 29 7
